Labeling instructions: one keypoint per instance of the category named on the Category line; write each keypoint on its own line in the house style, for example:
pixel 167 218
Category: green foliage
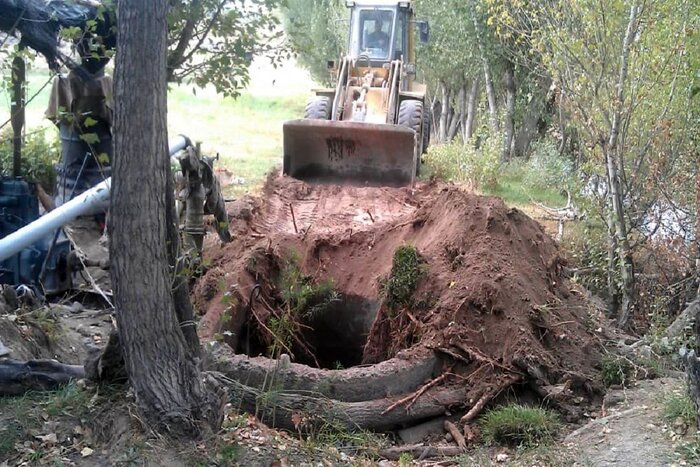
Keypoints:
pixel 679 405
pixel 317 31
pixel 463 163
pixel 41 150
pixel 301 295
pixel 406 270
pixel 516 424
pixel 405 459
pixel 615 370
pixel 212 42
pixel 586 246
pixel 546 168
pixel 229 455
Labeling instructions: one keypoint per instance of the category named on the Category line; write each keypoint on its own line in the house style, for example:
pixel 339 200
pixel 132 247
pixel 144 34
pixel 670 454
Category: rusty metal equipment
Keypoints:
pixel 370 128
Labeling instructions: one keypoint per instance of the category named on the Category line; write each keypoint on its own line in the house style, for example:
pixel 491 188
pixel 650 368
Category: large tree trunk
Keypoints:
pixel 471 110
pixel 444 113
pixel 162 369
pixel 457 116
pixel 510 112
pixel 491 96
pixel 611 151
pixel 535 110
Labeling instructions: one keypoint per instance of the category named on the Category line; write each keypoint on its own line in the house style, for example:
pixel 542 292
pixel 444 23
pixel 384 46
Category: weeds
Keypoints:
pixel 406 270
pixel 304 298
pixel 679 405
pixel 615 370
pixel 518 425
pixel 44 320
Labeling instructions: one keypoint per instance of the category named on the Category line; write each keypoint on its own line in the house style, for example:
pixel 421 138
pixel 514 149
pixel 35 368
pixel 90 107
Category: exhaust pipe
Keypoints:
pixel 91 202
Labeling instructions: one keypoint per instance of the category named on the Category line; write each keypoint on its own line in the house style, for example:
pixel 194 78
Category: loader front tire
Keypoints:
pixel 318 108
pixel 411 116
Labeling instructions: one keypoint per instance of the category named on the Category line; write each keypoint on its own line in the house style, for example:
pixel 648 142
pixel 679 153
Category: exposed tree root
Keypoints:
pixel 487 397
pixel 391 377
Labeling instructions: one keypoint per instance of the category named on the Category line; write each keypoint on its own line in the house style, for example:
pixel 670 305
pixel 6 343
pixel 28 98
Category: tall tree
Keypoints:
pixel 162 370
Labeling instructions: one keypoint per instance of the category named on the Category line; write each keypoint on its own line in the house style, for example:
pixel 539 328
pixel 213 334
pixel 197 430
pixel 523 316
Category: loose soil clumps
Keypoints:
pixel 333 277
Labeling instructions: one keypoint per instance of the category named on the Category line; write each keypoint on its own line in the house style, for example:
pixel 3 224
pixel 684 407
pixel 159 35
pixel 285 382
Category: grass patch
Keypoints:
pixel 678 404
pixel 21 416
pixel 518 425
pixel 512 187
pixel 406 271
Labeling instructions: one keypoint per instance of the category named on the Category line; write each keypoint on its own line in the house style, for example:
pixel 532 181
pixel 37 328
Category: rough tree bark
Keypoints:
pixel 491 97
pixel 162 370
pixel 457 116
pixel 611 150
pixel 471 110
pixel 509 76
pixel 535 110
pixel 444 113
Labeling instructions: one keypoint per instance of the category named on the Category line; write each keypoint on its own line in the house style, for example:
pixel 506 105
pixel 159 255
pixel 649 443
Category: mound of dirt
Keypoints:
pixel 490 299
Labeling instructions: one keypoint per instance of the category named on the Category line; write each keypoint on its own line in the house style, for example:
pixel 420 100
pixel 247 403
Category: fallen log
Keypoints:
pixel 356 384
pixel 17 377
pixel 280 408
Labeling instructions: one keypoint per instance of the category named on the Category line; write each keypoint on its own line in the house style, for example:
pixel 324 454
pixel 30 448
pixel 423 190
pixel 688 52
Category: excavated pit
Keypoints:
pixel 337 337
pixel 491 310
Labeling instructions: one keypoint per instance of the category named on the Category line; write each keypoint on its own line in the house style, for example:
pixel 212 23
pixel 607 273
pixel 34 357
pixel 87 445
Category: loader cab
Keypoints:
pixel 378 33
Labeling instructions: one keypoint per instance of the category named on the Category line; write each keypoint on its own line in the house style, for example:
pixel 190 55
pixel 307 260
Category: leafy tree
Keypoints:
pixel 317 31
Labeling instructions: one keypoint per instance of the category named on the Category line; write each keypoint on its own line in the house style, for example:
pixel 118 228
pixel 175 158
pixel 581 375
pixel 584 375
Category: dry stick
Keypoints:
pixel 417 450
pixel 477 355
pixel 294 221
pixel 413 397
pixel 252 311
pixel 456 435
pixel 370 216
pixel 478 407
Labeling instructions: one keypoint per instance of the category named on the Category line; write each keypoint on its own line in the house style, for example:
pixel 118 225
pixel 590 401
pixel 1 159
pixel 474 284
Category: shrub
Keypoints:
pixel 615 370
pixel 515 424
pixel 41 150
pixel 464 163
pixel 406 271
pixel 678 404
pixel 546 168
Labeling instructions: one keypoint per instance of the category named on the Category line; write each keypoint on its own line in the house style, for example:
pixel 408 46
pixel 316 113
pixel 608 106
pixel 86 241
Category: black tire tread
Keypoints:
pixel 318 108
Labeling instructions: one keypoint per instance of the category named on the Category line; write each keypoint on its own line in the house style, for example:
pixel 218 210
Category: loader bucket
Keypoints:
pixel 338 151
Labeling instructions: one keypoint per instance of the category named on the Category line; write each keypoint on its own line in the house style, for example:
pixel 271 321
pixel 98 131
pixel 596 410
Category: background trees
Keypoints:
pixel 600 92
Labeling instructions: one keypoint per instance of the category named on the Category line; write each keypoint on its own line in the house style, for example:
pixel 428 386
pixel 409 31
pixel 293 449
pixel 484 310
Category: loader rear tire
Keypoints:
pixel 426 132
pixel 411 116
pixel 318 108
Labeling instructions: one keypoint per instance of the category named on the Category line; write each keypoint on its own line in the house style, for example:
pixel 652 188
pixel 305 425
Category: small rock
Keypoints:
pixel 86 451
pixel 501 458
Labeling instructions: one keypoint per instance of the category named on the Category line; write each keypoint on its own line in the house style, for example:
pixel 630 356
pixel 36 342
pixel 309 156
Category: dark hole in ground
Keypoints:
pixel 337 334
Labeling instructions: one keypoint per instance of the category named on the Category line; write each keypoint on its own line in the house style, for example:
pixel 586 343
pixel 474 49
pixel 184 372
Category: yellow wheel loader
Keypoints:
pixel 372 127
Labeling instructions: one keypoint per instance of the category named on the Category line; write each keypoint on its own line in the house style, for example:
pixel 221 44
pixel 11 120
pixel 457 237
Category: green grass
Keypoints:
pixel 519 425
pixel 246 132
pixel 20 416
pixel 677 404
pixel 512 188
pixel 406 271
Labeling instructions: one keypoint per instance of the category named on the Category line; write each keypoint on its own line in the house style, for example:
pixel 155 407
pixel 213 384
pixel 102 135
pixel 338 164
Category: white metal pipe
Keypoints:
pixel 89 203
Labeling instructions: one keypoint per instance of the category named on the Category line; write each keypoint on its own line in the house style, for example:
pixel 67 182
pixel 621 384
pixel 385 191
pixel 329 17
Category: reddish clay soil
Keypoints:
pixel 493 299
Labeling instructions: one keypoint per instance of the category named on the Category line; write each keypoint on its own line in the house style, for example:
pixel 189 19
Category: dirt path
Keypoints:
pixel 631 432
